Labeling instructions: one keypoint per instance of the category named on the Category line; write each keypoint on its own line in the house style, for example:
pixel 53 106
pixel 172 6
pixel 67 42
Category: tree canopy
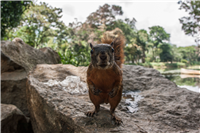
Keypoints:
pixel 191 23
pixel 158 35
pixel 105 15
pixel 39 23
pixel 142 39
pixel 11 12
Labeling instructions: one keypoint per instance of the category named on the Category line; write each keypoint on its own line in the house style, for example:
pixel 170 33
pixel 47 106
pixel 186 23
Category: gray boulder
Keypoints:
pixel 17 59
pixel 26 56
pixel 13 120
pixel 165 106
pixel 162 107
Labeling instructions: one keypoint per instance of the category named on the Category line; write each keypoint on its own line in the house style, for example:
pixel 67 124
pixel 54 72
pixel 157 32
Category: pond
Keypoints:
pixel 185 81
pixel 191 82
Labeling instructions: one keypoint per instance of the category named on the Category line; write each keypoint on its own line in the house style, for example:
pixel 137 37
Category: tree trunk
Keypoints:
pixel 143 56
pixel 132 58
pixel 153 54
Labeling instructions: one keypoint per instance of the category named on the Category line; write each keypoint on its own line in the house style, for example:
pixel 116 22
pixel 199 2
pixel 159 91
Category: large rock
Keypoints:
pixel 17 59
pixel 163 107
pixel 27 56
pixel 13 120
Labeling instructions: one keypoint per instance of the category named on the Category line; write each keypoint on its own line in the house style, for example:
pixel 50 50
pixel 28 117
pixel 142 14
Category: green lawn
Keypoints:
pixel 162 65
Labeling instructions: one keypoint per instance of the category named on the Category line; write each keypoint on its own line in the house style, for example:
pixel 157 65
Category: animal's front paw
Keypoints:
pixel 112 93
pixel 96 91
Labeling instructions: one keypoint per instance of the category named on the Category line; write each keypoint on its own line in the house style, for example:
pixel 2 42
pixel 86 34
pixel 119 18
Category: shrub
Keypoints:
pixel 184 61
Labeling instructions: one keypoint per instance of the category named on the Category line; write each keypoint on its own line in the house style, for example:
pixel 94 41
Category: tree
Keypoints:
pixel 166 52
pixel 158 36
pixel 128 29
pixel 190 24
pixel 132 51
pixel 40 23
pixel 11 12
pixel 105 15
pixel 176 54
pixel 131 23
pixel 127 26
pixel 142 39
pixel 189 53
pixel 91 30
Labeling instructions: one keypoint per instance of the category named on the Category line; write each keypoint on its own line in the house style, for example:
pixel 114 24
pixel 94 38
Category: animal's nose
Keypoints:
pixel 102 52
pixel 103 57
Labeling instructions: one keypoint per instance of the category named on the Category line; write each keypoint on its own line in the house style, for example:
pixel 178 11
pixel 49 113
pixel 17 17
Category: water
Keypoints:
pixel 131 100
pixel 190 82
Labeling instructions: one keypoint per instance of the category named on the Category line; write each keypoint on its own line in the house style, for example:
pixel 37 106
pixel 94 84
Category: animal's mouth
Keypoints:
pixel 103 65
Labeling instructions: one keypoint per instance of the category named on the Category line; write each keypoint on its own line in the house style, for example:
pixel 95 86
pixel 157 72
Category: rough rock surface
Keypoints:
pixel 13 120
pixel 27 56
pixel 163 108
pixel 17 59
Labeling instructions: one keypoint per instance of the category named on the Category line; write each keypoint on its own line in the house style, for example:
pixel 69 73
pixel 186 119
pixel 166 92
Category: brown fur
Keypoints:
pixel 119 42
pixel 105 85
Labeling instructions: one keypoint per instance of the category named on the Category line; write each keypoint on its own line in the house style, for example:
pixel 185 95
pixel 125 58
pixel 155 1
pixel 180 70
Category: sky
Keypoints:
pixel 147 13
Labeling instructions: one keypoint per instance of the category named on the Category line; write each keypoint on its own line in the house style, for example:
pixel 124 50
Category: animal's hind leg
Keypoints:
pixel 114 117
pixel 96 100
pixel 113 104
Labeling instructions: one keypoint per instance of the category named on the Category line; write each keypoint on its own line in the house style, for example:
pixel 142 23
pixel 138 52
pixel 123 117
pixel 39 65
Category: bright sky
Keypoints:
pixel 148 13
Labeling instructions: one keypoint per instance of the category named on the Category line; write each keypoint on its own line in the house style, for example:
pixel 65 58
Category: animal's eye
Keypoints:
pixel 91 51
pixel 112 50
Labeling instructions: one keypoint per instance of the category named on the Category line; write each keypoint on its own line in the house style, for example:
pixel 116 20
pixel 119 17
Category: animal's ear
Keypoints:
pixel 91 46
pixel 112 44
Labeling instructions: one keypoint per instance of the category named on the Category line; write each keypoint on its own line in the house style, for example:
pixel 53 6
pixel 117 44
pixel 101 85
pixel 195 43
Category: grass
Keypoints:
pixel 195 67
pixel 162 65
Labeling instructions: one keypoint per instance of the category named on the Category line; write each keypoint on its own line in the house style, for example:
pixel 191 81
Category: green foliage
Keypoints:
pixel 177 56
pixel 147 59
pixel 128 28
pixel 190 24
pixel 184 61
pixel 146 64
pixel 158 35
pixel 190 53
pixel 40 26
pixel 132 51
pixel 11 12
pixel 70 56
pixel 176 65
pixel 163 65
pixel 142 39
pixel 166 54
pixel 195 63
pixel 39 23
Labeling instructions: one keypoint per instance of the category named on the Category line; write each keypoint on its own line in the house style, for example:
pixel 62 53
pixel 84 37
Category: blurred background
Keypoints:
pixel 160 35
